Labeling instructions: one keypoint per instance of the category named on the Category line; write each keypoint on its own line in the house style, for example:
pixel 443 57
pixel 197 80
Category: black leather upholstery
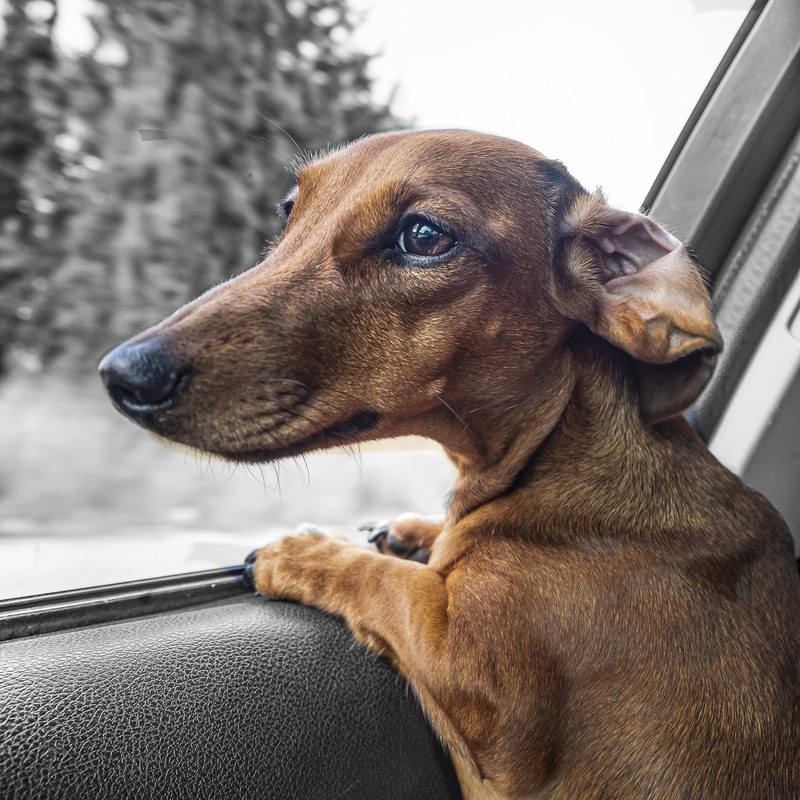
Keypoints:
pixel 243 698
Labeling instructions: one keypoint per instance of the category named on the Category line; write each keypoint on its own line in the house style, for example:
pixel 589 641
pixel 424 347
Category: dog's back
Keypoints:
pixel 660 602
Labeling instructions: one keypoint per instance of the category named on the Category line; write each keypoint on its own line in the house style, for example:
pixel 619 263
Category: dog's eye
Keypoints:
pixel 287 204
pixel 420 237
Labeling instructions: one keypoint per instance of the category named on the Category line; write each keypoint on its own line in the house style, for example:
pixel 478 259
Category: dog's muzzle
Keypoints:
pixel 144 377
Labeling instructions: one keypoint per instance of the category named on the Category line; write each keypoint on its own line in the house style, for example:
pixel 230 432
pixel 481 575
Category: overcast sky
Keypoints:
pixel 603 86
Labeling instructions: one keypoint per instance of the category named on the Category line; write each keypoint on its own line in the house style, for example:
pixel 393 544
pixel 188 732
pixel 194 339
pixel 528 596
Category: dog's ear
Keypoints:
pixel 638 288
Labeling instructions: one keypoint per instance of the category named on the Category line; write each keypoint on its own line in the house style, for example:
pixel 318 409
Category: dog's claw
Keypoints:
pixel 397 546
pixel 378 534
pixel 381 538
pixel 248 577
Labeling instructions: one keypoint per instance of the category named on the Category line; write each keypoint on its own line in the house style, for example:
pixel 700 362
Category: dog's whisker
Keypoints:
pixel 277 150
pixel 231 472
pixel 354 451
pixel 277 470
pixel 283 130
pixel 198 460
pixel 515 401
pixel 453 412
pixel 255 477
pixel 261 472
pixel 280 422
pixel 307 479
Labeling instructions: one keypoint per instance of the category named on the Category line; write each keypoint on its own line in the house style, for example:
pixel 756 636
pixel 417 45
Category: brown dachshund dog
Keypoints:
pixel 606 611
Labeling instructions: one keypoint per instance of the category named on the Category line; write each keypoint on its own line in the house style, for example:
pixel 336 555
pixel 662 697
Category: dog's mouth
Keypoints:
pixel 348 431
pixel 275 418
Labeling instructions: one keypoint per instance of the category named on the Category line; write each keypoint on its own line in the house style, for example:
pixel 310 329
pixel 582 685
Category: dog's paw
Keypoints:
pixel 381 535
pixel 408 536
pixel 248 577
pixel 295 567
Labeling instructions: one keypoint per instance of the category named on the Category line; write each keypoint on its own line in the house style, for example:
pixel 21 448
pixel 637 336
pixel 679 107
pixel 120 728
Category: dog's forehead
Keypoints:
pixel 443 157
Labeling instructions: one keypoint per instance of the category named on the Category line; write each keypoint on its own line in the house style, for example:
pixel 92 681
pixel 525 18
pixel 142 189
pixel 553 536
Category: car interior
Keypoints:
pixel 192 686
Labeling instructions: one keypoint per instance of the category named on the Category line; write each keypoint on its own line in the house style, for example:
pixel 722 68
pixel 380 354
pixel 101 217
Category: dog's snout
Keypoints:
pixel 143 377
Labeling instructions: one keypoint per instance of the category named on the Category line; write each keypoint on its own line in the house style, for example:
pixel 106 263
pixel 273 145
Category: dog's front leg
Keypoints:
pixel 396 607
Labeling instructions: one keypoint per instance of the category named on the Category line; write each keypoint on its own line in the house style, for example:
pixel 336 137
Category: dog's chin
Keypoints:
pixel 183 448
pixel 349 431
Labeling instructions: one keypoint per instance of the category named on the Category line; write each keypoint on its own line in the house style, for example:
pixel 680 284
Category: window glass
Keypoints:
pixel 141 155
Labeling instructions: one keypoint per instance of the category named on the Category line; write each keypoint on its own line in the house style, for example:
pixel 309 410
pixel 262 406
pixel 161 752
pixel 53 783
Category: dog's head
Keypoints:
pixel 416 272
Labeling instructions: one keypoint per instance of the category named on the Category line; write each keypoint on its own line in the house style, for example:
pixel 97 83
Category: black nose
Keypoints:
pixel 143 376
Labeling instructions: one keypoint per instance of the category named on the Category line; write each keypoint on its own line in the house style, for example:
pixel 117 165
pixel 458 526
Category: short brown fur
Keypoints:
pixel 606 612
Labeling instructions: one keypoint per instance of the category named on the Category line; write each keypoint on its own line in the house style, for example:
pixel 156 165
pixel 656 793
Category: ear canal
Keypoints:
pixel 641 291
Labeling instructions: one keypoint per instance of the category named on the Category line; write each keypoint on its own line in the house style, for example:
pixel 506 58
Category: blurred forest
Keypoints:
pixel 135 175
pixel 138 166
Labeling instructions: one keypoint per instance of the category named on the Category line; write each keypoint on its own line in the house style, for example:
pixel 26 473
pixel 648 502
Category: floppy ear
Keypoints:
pixel 639 290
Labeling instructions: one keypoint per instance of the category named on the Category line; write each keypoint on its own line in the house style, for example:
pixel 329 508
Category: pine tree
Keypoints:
pixel 174 145
pixel 31 111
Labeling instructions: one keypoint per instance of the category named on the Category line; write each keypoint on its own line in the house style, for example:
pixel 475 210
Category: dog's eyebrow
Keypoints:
pixel 399 192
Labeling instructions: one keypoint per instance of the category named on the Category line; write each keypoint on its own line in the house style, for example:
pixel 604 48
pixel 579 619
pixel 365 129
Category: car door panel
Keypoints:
pixel 238 697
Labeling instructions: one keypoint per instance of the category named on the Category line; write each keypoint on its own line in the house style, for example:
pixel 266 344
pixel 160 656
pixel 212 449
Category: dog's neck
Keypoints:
pixel 494 448
pixel 586 422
